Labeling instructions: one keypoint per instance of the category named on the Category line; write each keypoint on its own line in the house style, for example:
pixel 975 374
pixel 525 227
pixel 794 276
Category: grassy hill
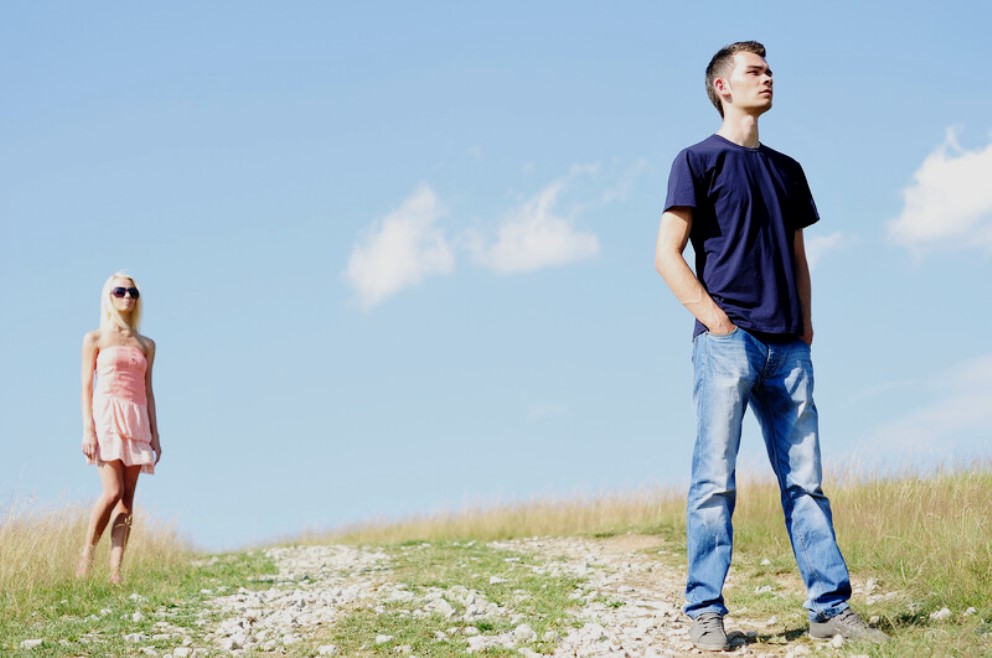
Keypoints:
pixel 924 544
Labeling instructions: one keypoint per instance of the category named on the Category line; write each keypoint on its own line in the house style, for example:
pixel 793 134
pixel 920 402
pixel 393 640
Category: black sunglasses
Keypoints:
pixel 120 292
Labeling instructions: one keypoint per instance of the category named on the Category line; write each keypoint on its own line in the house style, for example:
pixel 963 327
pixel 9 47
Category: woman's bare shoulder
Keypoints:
pixel 147 344
pixel 92 338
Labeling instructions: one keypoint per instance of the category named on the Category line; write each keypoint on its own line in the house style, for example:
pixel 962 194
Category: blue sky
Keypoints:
pixel 399 257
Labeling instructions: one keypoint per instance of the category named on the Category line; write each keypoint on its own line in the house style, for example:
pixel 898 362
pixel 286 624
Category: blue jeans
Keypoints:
pixel 774 378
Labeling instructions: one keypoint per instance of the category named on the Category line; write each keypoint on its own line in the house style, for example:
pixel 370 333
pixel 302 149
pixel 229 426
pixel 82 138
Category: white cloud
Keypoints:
pixel 534 237
pixel 955 419
pixel 400 250
pixel 818 245
pixel 949 203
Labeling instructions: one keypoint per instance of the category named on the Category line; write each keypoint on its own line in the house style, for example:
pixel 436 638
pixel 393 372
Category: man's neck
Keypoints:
pixel 740 129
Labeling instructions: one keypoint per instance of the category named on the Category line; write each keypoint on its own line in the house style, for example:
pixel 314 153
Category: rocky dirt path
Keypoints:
pixel 631 603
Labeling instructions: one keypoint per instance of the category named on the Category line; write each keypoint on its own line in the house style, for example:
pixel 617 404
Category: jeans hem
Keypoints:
pixel 695 614
pixel 828 614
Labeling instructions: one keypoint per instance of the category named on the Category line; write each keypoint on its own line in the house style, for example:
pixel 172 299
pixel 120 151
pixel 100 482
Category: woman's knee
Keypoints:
pixel 125 505
pixel 112 496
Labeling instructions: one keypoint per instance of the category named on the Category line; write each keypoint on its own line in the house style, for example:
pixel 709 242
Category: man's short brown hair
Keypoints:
pixel 720 66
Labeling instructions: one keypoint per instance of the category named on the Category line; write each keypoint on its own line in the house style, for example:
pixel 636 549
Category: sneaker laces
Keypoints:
pixel 852 620
pixel 711 624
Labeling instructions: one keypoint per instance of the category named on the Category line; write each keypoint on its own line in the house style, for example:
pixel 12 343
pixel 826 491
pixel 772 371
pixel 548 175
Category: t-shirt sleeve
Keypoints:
pixel 681 184
pixel 804 211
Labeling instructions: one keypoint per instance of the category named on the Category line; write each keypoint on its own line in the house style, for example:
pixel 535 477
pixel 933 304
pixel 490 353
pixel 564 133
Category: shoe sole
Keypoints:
pixel 711 647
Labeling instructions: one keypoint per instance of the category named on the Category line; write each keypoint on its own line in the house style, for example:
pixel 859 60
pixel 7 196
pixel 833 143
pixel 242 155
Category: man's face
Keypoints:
pixel 749 84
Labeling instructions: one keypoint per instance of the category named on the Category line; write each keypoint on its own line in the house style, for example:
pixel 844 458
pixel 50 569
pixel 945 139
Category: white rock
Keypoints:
pixel 441 607
pixel 137 616
pixel 943 613
pixel 327 650
pixel 766 562
pixel 524 633
pixel 837 641
pixel 182 652
pixel 477 643
pixel 765 589
pixel 969 612
pixel 382 639
pixel 496 580
pixel 134 637
pixel 31 644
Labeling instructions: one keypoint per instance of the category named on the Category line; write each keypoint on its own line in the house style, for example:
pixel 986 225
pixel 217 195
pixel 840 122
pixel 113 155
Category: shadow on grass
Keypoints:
pixel 778 639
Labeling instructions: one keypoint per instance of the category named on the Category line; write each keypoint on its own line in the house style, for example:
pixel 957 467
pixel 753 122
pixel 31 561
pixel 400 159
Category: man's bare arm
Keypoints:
pixel 804 285
pixel 673 235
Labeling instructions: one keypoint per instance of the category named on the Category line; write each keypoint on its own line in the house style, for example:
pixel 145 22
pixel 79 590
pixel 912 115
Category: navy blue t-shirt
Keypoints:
pixel 747 204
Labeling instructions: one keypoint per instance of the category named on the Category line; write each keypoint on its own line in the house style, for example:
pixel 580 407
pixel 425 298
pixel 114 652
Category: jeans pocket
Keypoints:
pixel 727 335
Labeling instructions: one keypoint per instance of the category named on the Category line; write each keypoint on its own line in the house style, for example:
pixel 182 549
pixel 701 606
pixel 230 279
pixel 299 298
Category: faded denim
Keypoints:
pixel 774 378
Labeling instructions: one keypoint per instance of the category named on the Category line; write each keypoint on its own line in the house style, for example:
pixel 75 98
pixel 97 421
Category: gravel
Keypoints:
pixel 628 605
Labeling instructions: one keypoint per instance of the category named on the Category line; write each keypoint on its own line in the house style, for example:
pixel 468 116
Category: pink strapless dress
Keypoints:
pixel 120 408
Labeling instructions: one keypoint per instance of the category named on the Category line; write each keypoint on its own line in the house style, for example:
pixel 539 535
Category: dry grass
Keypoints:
pixel 644 511
pixel 39 550
pixel 929 536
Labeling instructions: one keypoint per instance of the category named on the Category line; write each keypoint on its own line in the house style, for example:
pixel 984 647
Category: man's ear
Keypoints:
pixel 721 86
pixel 723 90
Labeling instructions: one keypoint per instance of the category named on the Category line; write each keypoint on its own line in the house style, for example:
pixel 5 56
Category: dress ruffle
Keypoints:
pixel 112 415
pixel 123 432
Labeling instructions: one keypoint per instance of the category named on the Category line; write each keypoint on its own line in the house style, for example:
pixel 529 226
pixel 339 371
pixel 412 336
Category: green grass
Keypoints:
pixel 164 582
pixel 929 540
pixel 926 539
pixel 530 596
pixel 92 618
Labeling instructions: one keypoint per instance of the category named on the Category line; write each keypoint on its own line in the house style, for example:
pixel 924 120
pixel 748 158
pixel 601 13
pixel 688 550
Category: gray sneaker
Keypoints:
pixel 849 625
pixel 707 632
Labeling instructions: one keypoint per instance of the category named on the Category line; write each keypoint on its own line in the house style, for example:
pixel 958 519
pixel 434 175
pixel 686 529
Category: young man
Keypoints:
pixel 744 206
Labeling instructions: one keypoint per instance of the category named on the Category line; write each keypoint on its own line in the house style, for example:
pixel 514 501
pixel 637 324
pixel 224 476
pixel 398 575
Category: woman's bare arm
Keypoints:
pixel 90 350
pixel 150 394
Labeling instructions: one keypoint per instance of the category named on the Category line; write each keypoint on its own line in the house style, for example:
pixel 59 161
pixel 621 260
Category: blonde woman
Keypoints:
pixel 120 430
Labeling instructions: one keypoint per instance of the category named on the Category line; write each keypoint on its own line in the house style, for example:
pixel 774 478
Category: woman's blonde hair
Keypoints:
pixel 110 317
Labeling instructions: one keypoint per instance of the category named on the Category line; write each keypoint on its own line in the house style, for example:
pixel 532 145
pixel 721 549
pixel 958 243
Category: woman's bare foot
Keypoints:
pixel 85 562
pixel 115 579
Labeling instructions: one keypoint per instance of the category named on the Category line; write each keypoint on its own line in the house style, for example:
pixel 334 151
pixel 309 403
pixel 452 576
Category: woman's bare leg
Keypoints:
pixel 112 480
pixel 120 529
